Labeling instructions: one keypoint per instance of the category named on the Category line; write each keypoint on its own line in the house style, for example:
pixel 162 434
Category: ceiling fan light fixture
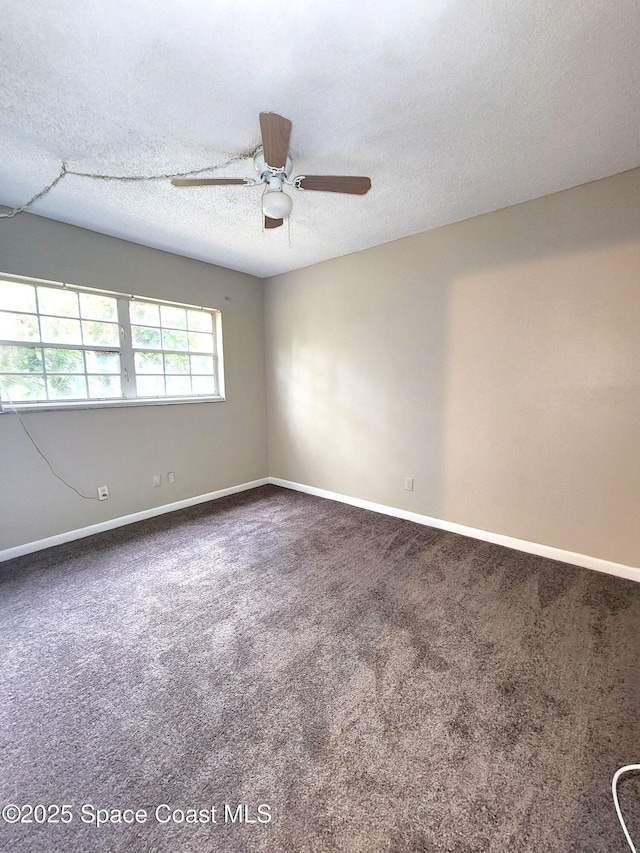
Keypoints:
pixel 276 204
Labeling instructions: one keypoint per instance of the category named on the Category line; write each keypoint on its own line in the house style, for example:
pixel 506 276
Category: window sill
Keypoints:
pixel 50 406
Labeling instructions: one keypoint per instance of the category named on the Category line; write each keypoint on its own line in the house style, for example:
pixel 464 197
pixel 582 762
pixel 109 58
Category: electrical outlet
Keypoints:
pixel 408 483
pixel 156 480
pixel 171 477
pixel 103 493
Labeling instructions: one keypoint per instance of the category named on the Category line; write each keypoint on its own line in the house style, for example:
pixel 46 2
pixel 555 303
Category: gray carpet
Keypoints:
pixel 379 685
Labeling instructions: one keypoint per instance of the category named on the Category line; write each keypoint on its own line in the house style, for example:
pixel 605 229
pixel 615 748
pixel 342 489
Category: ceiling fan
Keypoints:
pixel 274 167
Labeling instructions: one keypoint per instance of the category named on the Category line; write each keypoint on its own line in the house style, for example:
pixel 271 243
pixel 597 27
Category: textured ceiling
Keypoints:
pixel 452 107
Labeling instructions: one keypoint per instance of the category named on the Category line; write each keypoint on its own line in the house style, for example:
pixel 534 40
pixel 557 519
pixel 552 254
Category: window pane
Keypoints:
pixel 178 385
pixel 17 297
pixel 64 361
pixel 201 364
pixel 174 340
pixel 150 386
pixel 148 362
pixel 96 334
pixel 62 303
pixel 176 363
pixel 145 313
pixel 145 338
pixel 67 387
pixel 200 343
pixel 199 321
pixel 64 344
pixel 102 362
pixel 203 385
pixel 104 386
pixel 175 318
pixel 98 307
pixel 18 327
pixel 20 359
pixel 59 331
pixel 17 389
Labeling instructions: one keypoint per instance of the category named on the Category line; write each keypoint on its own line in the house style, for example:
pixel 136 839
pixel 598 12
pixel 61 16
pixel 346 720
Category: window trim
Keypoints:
pixel 126 350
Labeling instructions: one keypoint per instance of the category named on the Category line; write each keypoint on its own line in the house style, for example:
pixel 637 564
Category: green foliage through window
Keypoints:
pixel 61 343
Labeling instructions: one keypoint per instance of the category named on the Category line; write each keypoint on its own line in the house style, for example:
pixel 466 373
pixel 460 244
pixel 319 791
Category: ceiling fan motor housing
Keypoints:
pixel 275 204
pixel 268 173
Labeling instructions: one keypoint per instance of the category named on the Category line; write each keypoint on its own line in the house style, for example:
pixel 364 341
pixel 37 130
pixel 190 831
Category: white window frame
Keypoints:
pixel 125 350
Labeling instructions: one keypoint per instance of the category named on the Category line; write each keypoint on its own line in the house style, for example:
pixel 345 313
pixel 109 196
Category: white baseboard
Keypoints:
pixel 111 523
pixel 575 559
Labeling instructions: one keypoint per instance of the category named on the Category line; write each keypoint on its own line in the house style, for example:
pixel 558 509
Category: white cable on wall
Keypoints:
pixel 51 468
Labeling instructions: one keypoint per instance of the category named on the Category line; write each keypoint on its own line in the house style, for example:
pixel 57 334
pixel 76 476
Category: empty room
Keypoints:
pixel 320 426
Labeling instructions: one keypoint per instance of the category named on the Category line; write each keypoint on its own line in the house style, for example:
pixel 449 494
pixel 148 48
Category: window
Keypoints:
pixel 62 345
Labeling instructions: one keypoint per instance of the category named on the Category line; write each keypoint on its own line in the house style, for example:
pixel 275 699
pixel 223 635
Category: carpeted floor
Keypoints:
pixel 372 684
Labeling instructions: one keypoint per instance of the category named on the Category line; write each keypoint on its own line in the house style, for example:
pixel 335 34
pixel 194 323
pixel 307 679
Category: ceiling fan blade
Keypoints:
pixel 205 182
pixel 272 223
pixel 275 130
pixel 334 183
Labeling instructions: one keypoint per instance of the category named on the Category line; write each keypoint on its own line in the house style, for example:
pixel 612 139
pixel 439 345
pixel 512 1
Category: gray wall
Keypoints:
pixel 496 360
pixel 209 446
